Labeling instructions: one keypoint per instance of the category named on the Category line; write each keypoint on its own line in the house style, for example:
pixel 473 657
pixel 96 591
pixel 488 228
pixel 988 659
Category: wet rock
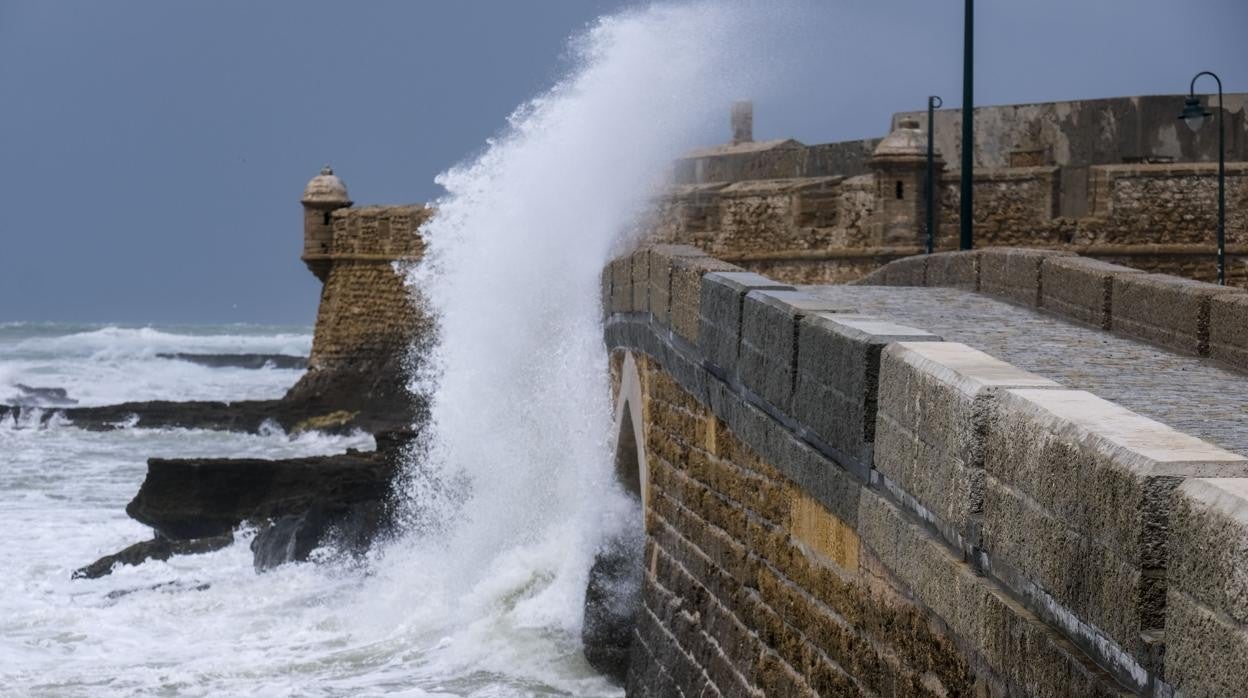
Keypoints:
pixel 188 498
pixel 254 361
pixel 157 548
pixel 292 538
pixel 43 397
pixel 612 600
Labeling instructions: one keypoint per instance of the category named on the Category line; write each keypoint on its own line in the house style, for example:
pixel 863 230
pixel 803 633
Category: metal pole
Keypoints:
pixel 933 103
pixel 1221 174
pixel 967 236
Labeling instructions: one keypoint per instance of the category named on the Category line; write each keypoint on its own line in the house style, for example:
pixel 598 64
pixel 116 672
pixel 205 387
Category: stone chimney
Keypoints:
pixel 324 194
pixel 742 122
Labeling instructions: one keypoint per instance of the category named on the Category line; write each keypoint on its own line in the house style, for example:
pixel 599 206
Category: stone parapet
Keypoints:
pixel 817 478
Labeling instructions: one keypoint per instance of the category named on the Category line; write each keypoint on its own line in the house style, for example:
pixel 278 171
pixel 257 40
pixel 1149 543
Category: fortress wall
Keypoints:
pixel 838 504
pixel 1157 217
pixel 367 318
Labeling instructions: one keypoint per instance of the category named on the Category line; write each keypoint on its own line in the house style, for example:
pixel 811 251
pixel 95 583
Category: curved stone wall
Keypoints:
pixel 838 504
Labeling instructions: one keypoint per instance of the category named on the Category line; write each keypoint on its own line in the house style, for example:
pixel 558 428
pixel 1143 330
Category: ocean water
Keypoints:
pixel 507 496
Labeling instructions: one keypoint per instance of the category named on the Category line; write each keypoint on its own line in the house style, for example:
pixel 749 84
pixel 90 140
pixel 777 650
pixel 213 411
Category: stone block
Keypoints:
pixel 1228 329
pixel 768 355
pixel 640 272
pixel 1206 653
pixel 1080 288
pixel 719 323
pixel 953 270
pixel 838 367
pixel 1013 273
pixel 686 298
pixel 1209 545
pixel 1041 441
pixel 660 280
pixel 1037 446
pixel 907 271
pixel 933 405
pixel 622 284
pixel 605 289
pixel 1165 310
pixel 1027 656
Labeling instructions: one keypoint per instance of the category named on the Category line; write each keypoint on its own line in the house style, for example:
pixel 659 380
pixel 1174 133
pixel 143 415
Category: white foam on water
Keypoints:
pixel 513 486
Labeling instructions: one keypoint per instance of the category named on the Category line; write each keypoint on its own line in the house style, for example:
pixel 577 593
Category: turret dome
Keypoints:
pixel 905 142
pixel 326 189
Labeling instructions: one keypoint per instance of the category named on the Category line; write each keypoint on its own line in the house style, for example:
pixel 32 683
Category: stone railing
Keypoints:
pixel 1179 314
pixel 837 504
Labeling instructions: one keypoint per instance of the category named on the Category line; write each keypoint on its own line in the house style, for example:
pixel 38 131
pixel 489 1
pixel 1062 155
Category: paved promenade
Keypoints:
pixel 1190 394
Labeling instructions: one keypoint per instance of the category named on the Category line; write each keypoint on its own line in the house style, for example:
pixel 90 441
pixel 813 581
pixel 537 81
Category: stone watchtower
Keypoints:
pixel 899 163
pixel 324 194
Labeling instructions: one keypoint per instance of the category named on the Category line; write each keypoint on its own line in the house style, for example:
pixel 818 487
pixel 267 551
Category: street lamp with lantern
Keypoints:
pixel 1194 116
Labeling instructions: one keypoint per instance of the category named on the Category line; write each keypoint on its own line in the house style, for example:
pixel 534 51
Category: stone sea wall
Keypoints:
pixel 836 504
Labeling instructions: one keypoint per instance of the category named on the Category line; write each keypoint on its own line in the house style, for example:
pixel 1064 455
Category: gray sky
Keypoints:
pixel 152 152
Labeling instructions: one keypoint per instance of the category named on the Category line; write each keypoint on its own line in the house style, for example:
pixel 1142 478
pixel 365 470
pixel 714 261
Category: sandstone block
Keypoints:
pixel 719 323
pixel 622 284
pixel 933 405
pixel 768 354
pixel 1206 653
pixel 1029 657
pixel 1228 329
pixel 640 272
pixel 1209 545
pixel 907 271
pixel 1165 310
pixel 1080 288
pixel 953 270
pixel 838 365
pixel 1014 273
pixel 686 298
pixel 1126 466
pixel 660 280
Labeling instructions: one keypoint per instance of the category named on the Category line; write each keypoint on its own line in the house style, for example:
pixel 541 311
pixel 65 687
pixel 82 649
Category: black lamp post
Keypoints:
pixel 966 235
pixel 1194 116
pixel 933 103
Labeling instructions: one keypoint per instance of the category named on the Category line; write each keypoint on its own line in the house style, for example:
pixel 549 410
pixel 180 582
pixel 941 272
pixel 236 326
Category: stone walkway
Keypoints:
pixel 1190 394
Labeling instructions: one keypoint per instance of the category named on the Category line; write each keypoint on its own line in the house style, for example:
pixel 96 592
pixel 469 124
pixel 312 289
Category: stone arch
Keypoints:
pixel 631 466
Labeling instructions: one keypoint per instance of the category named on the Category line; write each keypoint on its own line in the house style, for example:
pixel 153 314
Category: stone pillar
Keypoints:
pixel 324 194
pixel 742 122
pixel 899 164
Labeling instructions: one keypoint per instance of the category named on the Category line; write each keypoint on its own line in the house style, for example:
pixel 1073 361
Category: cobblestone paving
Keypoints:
pixel 1190 394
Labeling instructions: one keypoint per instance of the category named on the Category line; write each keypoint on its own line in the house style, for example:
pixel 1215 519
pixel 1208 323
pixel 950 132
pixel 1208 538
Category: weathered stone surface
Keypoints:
pixel 612 602
pixel 953 270
pixel 907 271
pixel 660 281
pixel 686 296
pixel 719 321
pixel 1080 288
pixel 1165 310
pixel 838 364
pixel 1014 273
pixel 1027 656
pixel 622 284
pixel 1094 548
pixel 1209 545
pixel 768 354
pixel 640 270
pixel 934 403
pixel 1206 653
pixel 1228 329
